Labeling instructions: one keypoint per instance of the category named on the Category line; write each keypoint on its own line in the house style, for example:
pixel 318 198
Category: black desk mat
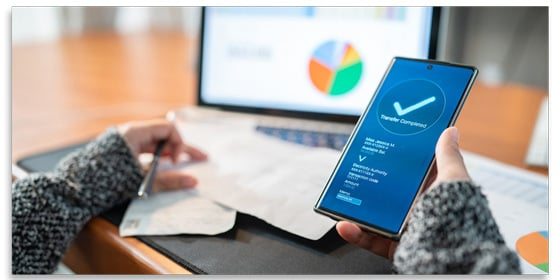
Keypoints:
pixel 251 247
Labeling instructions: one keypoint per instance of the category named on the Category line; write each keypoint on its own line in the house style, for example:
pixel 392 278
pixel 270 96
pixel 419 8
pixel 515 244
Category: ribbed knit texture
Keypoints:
pixel 48 210
pixel 451 228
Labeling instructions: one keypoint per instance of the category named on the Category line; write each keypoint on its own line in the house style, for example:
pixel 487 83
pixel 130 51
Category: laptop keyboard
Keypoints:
pixel 305 137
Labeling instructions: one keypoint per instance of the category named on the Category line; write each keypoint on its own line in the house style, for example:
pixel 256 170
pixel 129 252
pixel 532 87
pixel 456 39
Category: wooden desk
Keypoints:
pixel 71 90
pixel 498 122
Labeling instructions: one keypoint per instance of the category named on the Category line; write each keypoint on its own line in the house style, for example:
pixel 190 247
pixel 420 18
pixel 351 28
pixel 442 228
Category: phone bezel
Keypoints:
pixel 372 228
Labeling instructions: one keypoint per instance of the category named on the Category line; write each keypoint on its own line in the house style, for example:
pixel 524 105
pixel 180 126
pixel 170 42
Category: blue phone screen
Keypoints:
pixel 390 152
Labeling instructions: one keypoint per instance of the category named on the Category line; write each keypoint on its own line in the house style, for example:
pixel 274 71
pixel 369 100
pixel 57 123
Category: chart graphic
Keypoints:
pixel 335 68
pixel 533 248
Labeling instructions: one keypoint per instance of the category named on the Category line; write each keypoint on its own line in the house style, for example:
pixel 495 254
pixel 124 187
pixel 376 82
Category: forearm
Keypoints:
pixel 48 210
pixel 451 230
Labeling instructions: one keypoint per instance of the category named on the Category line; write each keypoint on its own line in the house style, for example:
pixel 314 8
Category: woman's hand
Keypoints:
pixel 143 136
pixel 449 167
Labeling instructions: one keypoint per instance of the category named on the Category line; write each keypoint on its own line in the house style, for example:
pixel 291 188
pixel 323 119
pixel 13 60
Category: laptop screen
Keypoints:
pixel 321 60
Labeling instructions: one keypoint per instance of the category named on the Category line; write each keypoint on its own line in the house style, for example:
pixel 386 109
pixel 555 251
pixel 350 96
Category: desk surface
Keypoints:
pixel 72 89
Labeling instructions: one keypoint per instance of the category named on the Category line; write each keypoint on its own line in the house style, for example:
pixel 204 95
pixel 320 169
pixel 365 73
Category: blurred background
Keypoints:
pixel 77 70
pixel 508 44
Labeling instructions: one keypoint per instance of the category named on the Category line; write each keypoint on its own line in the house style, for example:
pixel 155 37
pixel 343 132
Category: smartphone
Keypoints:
pixel 391 150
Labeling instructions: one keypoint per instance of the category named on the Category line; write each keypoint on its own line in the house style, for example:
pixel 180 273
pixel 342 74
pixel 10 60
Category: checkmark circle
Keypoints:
pixel 410 107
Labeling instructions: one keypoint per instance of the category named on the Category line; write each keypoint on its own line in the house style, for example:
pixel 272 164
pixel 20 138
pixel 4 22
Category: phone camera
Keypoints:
pixel 430 67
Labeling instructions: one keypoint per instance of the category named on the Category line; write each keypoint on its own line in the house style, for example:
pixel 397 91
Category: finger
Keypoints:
pixel 349 232
pixel 175 143
pixel 354 235
pixel 194 153
pixel 178 146
pixel 449 160
pixel 173 180
pixel 148 133
pixel 164 130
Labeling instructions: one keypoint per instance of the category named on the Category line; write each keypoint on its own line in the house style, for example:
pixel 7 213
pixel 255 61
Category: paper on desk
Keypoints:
pixel 276 181
pixel 518 200
pixel 176 212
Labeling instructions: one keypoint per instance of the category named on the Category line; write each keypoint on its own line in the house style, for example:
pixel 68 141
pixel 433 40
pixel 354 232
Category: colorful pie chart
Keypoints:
pixel 335 68
pixel 533 248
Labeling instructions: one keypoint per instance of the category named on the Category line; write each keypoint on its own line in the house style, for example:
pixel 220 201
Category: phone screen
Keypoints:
pixel 392 147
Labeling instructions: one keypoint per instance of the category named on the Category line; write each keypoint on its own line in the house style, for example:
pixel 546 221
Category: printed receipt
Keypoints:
pixel 176 212
pixel 276 181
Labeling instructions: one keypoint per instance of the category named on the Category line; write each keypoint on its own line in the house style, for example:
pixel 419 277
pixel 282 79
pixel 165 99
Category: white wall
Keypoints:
pixel 31 24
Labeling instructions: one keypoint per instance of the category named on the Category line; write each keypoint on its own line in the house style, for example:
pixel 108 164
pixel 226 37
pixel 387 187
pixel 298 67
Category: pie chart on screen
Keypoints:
pixel 335 68
pixel 533 248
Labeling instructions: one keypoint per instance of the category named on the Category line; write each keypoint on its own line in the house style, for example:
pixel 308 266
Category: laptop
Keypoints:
pixel 303 72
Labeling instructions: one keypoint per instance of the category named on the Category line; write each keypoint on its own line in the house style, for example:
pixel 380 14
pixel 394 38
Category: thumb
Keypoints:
pixel 449 160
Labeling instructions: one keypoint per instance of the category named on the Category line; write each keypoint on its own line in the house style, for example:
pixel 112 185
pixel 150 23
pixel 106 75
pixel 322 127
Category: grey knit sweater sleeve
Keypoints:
pixel 49 209
pixel 451 230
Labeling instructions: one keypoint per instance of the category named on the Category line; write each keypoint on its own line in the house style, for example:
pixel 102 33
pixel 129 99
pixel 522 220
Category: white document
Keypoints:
pixel 176 212
pixel 518 200
pixel 537 154
pixel 279 182
pixel 274 180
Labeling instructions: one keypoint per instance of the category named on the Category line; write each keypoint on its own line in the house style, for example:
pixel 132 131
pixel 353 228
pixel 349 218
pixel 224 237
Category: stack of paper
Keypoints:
pixel 279 182
pixel 274 180
pixel 177 212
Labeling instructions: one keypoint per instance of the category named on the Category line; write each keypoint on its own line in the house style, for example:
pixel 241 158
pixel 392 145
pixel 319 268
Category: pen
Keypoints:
pixel 146 186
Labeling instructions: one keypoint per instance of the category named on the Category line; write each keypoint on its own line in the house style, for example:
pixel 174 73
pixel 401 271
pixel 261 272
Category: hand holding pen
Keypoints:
pixel 161 138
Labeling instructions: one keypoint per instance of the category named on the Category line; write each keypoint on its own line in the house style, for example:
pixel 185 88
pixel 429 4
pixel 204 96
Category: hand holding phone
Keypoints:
pixel 391 151
pixel 451 167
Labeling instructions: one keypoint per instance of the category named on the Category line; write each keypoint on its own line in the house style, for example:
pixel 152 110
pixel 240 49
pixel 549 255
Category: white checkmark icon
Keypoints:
pixel 402 112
